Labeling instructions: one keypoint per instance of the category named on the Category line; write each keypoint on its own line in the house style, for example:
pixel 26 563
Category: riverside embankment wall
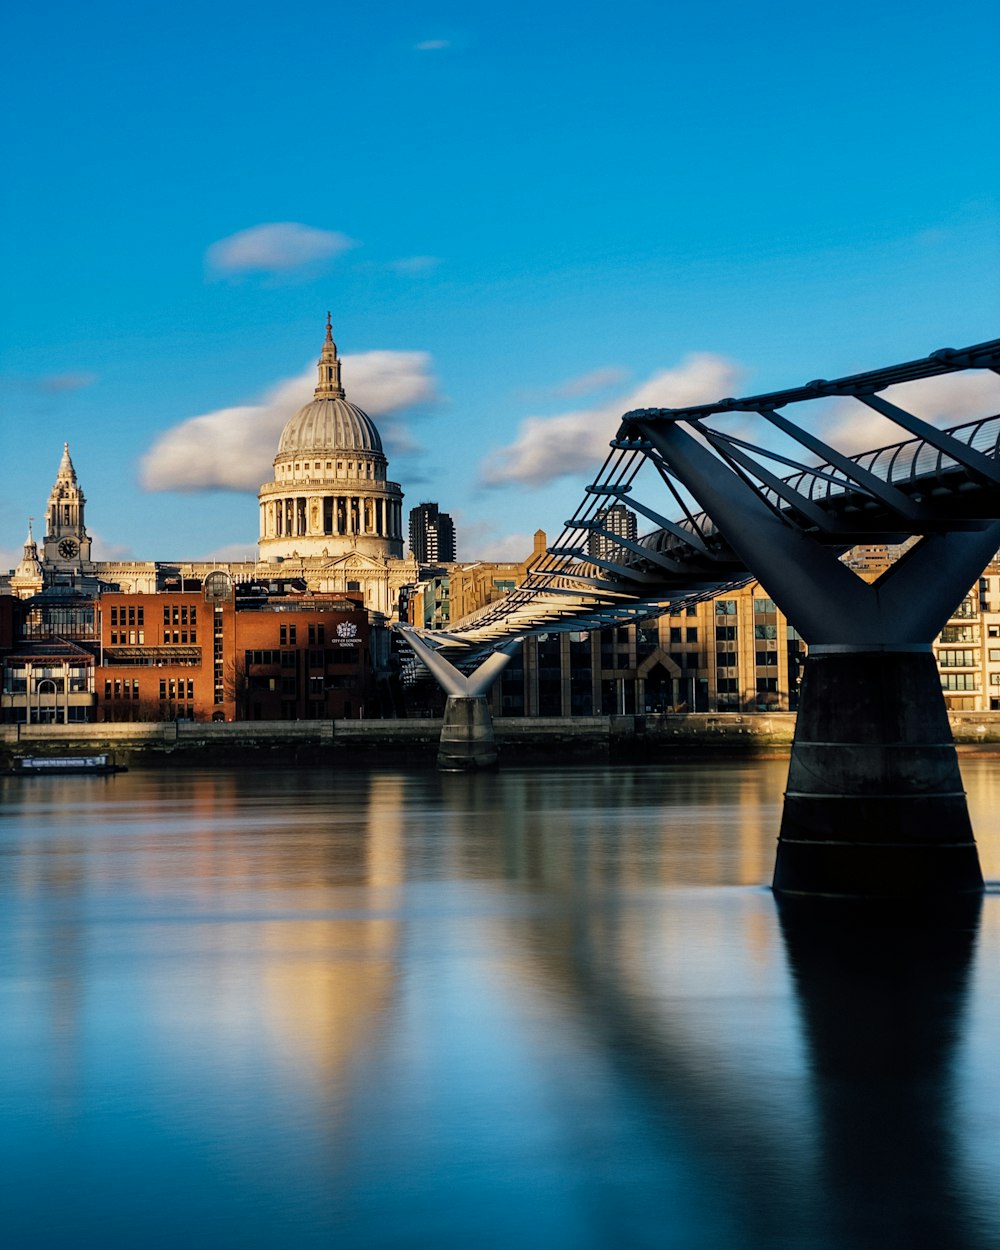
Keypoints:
pixel 534 738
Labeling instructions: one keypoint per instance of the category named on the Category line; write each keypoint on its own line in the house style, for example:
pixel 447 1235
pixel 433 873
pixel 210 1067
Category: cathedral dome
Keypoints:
pixel 329 424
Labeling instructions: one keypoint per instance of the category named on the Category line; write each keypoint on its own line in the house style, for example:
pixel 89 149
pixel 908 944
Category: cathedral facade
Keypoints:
pixel 330 519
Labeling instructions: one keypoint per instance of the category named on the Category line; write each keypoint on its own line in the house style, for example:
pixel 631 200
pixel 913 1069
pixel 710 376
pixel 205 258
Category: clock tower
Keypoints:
pixel 66 543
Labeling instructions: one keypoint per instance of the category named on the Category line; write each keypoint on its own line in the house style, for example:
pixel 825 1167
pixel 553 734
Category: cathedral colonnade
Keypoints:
pixel 330 515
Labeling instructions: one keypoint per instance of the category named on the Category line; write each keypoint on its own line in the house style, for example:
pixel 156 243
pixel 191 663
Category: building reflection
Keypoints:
pixel 279 907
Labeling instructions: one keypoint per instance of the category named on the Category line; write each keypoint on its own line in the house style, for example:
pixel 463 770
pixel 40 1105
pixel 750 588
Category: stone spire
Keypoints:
pixel 329 386
pixel 66 471
pixel 28 578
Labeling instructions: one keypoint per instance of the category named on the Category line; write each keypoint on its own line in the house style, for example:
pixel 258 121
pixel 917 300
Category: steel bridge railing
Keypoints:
pixel 688 559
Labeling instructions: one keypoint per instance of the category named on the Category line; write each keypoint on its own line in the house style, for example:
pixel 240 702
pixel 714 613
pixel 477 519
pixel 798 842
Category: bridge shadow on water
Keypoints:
pixel 883 1001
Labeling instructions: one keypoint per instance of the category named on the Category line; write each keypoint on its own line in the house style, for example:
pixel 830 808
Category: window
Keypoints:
pixel 763 605
pixel 994 654
pixel 958 633
pixel 959 681
pixel 727 685
pixel 675 633
pixel 766 659
pixel 958 659
pixel 765 631
pixel 114 616
pixel 725 633
pixel 767 685
pixel 342 655
pixel 725 607
pixel 692 633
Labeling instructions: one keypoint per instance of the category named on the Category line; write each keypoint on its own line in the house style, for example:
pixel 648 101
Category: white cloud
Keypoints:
pixel 60 382
pixel 415 264
pixel 587 383
pixel 576 442
pixel 233 448
pixel 948 399
pixel 433 45
pixel 232 552
pixel 104 549
pixel 275 247
pixel 10 557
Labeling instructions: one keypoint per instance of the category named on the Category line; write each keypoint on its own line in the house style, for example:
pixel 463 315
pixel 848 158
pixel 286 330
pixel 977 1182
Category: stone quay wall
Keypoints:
pixel 529 739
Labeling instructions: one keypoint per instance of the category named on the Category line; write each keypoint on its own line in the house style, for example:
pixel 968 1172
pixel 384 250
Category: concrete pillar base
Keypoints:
pixel 467 741
pixel 875 806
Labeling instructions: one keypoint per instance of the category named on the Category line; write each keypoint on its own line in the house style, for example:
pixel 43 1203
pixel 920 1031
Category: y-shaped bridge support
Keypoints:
pixel 875 806
pixel 467 740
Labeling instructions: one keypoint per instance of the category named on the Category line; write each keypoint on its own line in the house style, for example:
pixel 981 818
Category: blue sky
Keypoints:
pixel 521 216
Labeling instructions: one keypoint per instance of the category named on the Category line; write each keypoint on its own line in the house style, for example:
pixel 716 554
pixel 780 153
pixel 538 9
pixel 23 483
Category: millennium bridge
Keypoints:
pixel 874 806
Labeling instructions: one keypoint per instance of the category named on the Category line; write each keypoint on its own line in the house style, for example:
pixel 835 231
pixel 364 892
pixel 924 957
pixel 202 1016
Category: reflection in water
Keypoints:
pixel 550 1008
pixel 883 1007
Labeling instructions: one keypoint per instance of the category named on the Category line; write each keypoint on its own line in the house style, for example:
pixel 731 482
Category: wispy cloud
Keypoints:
pixel 278 247
pixel 415 264
pixel 433 45
pixel 572 443
pixel 233 448
pixel 58 383
pixel 587 383
pixel 480 540
pixel 103 549
pixel 948 399
pixel 10 557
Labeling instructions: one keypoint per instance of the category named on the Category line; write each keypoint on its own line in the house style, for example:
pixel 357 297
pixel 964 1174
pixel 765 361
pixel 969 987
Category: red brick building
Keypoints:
pixel 204 652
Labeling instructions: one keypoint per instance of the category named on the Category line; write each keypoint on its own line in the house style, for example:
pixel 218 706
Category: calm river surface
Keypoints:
pixel 543 1008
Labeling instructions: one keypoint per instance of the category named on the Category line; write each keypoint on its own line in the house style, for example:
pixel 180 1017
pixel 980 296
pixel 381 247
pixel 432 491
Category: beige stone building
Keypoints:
pixel 331 518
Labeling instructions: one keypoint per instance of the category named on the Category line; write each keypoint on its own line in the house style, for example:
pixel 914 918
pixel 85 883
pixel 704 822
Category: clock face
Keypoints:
pixel 68 548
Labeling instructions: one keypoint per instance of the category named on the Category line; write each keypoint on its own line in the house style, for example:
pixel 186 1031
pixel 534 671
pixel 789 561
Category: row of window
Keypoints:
pixel 174 688
pixel 126 688
pixel 314 659
pixel 763 685
pixel 180 614
pixel 129 615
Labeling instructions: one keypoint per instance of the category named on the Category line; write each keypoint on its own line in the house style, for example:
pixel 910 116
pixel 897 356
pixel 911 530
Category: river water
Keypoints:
pixel 541 1008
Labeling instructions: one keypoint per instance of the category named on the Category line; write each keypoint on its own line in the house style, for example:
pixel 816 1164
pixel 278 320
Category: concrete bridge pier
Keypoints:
pixel 875 805
pixel 875 808
pixel 467 740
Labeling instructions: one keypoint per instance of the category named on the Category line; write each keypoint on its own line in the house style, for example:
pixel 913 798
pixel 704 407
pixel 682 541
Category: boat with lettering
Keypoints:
pixel 56 765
